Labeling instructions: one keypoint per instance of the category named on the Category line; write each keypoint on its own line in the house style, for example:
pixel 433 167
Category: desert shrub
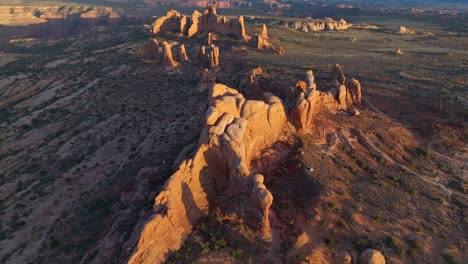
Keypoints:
pixel 330 242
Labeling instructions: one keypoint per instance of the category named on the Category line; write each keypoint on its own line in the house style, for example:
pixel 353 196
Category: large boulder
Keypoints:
pixel 371 256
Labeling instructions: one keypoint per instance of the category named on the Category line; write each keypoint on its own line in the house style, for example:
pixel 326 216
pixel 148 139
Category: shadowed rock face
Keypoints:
pixel 236 130
pixel 209 21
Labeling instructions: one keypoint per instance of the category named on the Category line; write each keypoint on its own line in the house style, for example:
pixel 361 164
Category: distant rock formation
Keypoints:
pixel 209 38
pixel 336 25
pixel 250 84
pixel 181 53
pixel 338 97
pixel 405 31
pixel 264 34
pixel 208 56
pixel 398 51
pixel 209 21
pixel 320 24
pixel 165 53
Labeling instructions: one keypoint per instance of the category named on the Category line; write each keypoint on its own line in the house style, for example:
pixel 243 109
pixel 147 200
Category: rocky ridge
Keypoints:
pixel 219 170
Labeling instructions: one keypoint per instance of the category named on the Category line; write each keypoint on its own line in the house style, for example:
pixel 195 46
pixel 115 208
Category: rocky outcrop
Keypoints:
pixel 337 74
pixel 181 53
pixel 260 43
pixel 338 97
pixel 208 56
pixel 320 24
pixel 173 20
pixel 236 129
pixel 354 88
pixel 310 81
pixel 331 24
pixel 219 173
pixel 398 51
pixel 264 34
pixel 371 256
pixel 402 30
pixel 167 55
pixel 209 21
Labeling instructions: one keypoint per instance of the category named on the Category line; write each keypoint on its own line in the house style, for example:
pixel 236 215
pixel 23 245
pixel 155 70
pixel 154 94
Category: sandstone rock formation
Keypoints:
pixel 310 80
pixel 260 43
pixel 208 56
pixel 235 132
pixel 337 74
pixel 337 25
pixel 264 200
pixel 210 39
pixel 344 258
pixel 354 88
pixel 371 256
pixel 405 31
pixel 167 55
pixel 209 21
pixel 181 53
pixel 337 97
pixel 398 51
pixel 236 129
pixel 264 34
pixel 319 25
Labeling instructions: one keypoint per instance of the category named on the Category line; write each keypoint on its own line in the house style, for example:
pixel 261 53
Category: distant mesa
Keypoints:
pixel 209 21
